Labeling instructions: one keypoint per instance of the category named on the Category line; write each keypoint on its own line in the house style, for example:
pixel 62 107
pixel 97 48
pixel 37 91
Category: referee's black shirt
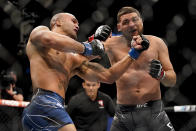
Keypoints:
pixel 90 115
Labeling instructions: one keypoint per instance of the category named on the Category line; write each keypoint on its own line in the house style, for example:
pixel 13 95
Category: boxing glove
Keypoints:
pixel 102 33
pixel 134 53
pixel 156 70
pixel 95 47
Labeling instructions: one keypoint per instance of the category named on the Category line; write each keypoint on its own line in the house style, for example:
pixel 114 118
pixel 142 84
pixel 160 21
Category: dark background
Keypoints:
pixel 172 20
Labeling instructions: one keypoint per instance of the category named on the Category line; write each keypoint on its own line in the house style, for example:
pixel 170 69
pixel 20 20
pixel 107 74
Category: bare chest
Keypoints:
pixel 139 69
pixel 60 61
pixel 145 57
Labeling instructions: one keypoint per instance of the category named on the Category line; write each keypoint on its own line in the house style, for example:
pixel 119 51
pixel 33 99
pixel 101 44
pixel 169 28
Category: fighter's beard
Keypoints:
pixel 128 38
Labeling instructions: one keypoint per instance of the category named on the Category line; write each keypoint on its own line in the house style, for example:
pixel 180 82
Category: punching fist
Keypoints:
pixel 95 47
pixel 102 33
pixel 145 43
pixel 138 44
pixel 156 70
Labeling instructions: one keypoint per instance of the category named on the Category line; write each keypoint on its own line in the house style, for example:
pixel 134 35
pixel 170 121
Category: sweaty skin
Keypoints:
pixel 51 69
pixel 53 61
pixel 136 86
pixel 55 56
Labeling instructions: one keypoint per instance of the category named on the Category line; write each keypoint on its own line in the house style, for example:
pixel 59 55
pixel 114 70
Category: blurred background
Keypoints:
pixel 172 20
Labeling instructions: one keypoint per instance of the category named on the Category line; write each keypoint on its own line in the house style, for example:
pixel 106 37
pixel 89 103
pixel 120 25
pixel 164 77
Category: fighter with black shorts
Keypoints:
pixel 138 89
pixel 142 117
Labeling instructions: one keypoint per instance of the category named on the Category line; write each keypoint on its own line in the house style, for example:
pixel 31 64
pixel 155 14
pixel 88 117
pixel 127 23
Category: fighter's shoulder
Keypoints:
pixel 38 29
pixel 154 38
pixel 112 40
pixel 115 38
pixel 41 27
pixel 158 41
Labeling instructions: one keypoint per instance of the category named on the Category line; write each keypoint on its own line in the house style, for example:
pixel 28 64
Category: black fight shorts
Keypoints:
pixel 145 117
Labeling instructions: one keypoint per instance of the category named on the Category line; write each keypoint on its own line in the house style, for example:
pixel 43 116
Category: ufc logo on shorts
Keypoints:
pixel 142 105
pixel 170 126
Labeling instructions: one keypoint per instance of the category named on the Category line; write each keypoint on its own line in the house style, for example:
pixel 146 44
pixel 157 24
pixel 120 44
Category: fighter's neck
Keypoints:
pixel 127 40
pixel 56 30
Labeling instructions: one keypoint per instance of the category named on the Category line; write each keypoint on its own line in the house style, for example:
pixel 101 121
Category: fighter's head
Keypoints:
pixel 129 22
pixel 65 23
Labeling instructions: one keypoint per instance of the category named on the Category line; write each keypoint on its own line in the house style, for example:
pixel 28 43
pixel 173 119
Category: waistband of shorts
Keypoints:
pixel 155 103
pixel 39 92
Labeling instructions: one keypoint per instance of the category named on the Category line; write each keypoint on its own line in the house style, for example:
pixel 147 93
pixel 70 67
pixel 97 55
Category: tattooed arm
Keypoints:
pixel 95 72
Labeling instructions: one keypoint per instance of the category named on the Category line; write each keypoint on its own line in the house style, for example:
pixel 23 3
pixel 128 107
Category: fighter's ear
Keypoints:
pixel 118 27
pixel 83 84
pixel 99 84
pixel 58 23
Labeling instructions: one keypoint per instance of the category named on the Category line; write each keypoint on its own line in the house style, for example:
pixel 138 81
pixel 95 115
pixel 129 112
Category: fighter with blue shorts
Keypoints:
pixel 55 56
pixel 45 112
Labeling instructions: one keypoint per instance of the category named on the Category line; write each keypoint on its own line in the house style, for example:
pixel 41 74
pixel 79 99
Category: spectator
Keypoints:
pixel 10 91
pixel 10 116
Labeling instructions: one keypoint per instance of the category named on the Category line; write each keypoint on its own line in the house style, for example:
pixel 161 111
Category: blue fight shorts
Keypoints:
pixel 46 112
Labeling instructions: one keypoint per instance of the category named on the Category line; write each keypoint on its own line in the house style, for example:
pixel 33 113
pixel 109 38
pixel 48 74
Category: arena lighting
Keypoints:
pixel 155 1
pixel 192 8
pixel 175 24
pixel 5 55
pixel 13 12
pixel 171 37
pixel 19 3
pixel 147 12
pixel 59 5
pixel 193 63
pixel 45 3
pixel 178 20
pixel 97 16
pixel 6 24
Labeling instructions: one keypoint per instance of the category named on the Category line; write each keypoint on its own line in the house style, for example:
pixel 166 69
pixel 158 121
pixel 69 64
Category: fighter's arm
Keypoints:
pixel 95 72
pixel 163 55
pixel 42 36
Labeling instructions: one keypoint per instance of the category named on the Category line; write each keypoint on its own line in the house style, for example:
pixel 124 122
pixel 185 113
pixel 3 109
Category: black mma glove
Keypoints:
pixel 145 43
pixel 134 53
pixel 156 70
pixel 94 47
pixel 102 33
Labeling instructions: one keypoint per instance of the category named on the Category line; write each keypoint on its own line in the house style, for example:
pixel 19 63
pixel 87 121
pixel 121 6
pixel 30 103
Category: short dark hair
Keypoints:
pixel 126 10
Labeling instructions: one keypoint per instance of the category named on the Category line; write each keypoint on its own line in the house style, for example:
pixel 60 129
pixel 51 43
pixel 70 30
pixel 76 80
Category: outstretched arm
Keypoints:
pixel 43 37
pixel 95 72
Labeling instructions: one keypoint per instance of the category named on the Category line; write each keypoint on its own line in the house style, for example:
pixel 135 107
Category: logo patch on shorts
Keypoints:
pixel 170 126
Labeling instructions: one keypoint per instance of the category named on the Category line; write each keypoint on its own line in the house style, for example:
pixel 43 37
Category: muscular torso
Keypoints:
pixel 135 86
pixel 51 69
